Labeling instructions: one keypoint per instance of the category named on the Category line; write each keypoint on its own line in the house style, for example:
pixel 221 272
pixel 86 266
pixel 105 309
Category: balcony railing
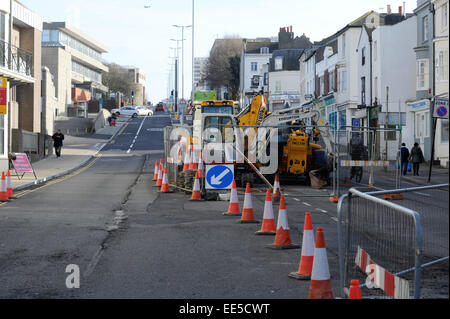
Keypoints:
pixel 16 59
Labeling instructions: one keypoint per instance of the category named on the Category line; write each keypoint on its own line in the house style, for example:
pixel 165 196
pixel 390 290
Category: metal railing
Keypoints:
pixel 16 59
pixel 391 234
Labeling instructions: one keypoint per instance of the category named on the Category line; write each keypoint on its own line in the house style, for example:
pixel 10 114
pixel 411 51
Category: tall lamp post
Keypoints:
pixel 182 54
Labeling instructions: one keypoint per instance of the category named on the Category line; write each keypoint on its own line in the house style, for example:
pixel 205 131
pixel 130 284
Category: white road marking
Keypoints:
pixel 335 219
pixel 137 134
pixel 306 204
pixel 321 210
pixel 296 199
pixel 423 194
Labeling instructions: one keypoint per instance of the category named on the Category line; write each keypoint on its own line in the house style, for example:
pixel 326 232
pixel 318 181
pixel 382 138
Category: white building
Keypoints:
pixel 200 68
pixel 255 57
pixel 386 72
pixel 441 76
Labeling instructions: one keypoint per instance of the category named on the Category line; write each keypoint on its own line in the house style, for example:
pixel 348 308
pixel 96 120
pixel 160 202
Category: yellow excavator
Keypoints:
pixel 297 154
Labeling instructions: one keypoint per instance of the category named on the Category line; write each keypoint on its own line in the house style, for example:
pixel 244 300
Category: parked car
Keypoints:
pixel 126 110
pixel 159 108
pixel 144 111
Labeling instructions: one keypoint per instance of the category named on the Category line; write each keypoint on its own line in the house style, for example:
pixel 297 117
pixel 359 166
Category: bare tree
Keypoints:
pixel 219 72
pixel 118 80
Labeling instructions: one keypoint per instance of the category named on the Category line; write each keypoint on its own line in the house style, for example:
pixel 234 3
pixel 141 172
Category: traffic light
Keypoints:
pixel 171 93
pixel 132 94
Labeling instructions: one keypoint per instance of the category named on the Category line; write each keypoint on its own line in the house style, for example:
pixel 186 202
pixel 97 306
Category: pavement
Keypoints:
pixel 77 152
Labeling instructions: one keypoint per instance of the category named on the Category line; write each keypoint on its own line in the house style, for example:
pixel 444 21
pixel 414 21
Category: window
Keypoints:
pixel 422 74
pixel 254 66
pixel 343 45
pixel 444 22
pixel 363 56
pixel 444 131
pixel 322 85
pixel 278 86
pixel 342 81
pixel 363 90
pixel 331 81
pixel 425 28
pixel 442 66
pixel 2 26
pixel 264 50
pixel 375 50
pixel 375 88
pixel 279 63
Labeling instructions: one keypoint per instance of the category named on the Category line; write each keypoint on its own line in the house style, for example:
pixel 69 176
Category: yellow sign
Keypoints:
pixel 3 96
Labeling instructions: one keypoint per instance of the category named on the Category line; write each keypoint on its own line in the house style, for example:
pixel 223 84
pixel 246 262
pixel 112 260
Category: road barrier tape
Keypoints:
pixel 348 163
pixel 394 286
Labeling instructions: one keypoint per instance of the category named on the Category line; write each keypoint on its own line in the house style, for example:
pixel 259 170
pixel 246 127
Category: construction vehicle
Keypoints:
pixel 297 154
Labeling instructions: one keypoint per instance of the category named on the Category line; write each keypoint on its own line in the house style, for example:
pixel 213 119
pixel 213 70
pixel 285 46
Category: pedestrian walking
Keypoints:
pixel 58 138
pixel 417 158
pixel 404 154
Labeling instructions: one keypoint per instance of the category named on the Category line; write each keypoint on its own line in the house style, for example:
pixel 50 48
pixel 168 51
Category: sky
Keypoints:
pixel 141 36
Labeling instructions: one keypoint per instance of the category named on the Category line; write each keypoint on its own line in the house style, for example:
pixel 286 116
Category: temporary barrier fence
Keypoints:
pixel 378 241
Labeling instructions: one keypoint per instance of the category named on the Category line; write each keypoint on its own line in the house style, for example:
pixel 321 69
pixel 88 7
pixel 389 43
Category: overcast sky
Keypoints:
pixel 141 37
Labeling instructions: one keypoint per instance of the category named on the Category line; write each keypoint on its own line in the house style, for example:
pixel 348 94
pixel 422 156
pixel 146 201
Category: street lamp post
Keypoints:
pixel 182 54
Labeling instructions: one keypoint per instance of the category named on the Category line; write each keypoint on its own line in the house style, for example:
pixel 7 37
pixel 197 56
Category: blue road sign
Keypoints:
pixel 219 176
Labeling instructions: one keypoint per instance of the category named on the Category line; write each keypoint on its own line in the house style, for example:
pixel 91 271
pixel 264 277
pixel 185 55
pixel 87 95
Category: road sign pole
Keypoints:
pixel 430 169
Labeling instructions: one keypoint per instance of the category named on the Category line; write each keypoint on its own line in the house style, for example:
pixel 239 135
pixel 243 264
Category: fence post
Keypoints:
pixel 418 257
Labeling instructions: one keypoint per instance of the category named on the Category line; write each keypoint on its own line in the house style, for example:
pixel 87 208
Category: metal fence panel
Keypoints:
pixel 389 233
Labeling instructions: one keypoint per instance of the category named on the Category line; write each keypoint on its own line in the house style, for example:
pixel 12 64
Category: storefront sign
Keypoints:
pixel 22 164
pixel 419 105
pixel 3 96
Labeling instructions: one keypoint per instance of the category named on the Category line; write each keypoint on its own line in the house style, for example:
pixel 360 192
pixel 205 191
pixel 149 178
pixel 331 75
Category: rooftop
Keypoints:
pixel 77 34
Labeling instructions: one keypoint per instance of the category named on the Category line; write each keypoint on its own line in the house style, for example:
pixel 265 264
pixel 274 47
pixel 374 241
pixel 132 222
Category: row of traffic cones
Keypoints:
pixel 162 180
pixel 6 191
pixel 313 262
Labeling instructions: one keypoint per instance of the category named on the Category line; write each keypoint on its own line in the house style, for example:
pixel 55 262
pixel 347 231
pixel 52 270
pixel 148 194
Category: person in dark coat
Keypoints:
pixel 58 138
pixel 404 154
pixel 417 158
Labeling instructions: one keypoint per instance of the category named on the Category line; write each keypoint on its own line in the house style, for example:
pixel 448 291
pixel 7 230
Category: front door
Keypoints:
pixel 422 127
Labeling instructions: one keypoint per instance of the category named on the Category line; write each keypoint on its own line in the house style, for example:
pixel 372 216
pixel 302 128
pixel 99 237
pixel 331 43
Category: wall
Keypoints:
pixel 59 62
pixel 49 102
pixel 28 96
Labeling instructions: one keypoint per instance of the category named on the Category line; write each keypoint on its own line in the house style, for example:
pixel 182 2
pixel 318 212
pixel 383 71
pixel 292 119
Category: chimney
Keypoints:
pixel 389 9
pixel 400 10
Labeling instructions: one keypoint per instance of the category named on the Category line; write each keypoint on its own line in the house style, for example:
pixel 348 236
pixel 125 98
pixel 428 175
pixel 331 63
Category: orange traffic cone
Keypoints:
pixel 9 190
pixel 276 187
pixel 355 290
pixel 160 176
pixel 283 236
pixel 268 225
pixel 155 175
pixel 233 208
pixel 320 286
pixel 306 261
pixel 3 194
pixel 201 168
pixel 187 159
pixel 247 211
pixel 193 165
pixel 165 183
pixel 196 194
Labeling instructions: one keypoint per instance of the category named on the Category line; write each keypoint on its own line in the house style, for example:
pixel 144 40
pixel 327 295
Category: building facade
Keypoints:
pixel 421 107
pixel 441 76
pixel 255 57
pixel 386 76
pixel 75 61
pixel 20 65
pixel 200 68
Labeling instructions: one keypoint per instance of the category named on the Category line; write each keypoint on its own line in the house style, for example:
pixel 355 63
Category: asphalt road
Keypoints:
pixel 164 247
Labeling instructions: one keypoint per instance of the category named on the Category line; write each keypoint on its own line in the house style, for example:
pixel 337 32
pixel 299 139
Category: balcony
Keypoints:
pixel 16 64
